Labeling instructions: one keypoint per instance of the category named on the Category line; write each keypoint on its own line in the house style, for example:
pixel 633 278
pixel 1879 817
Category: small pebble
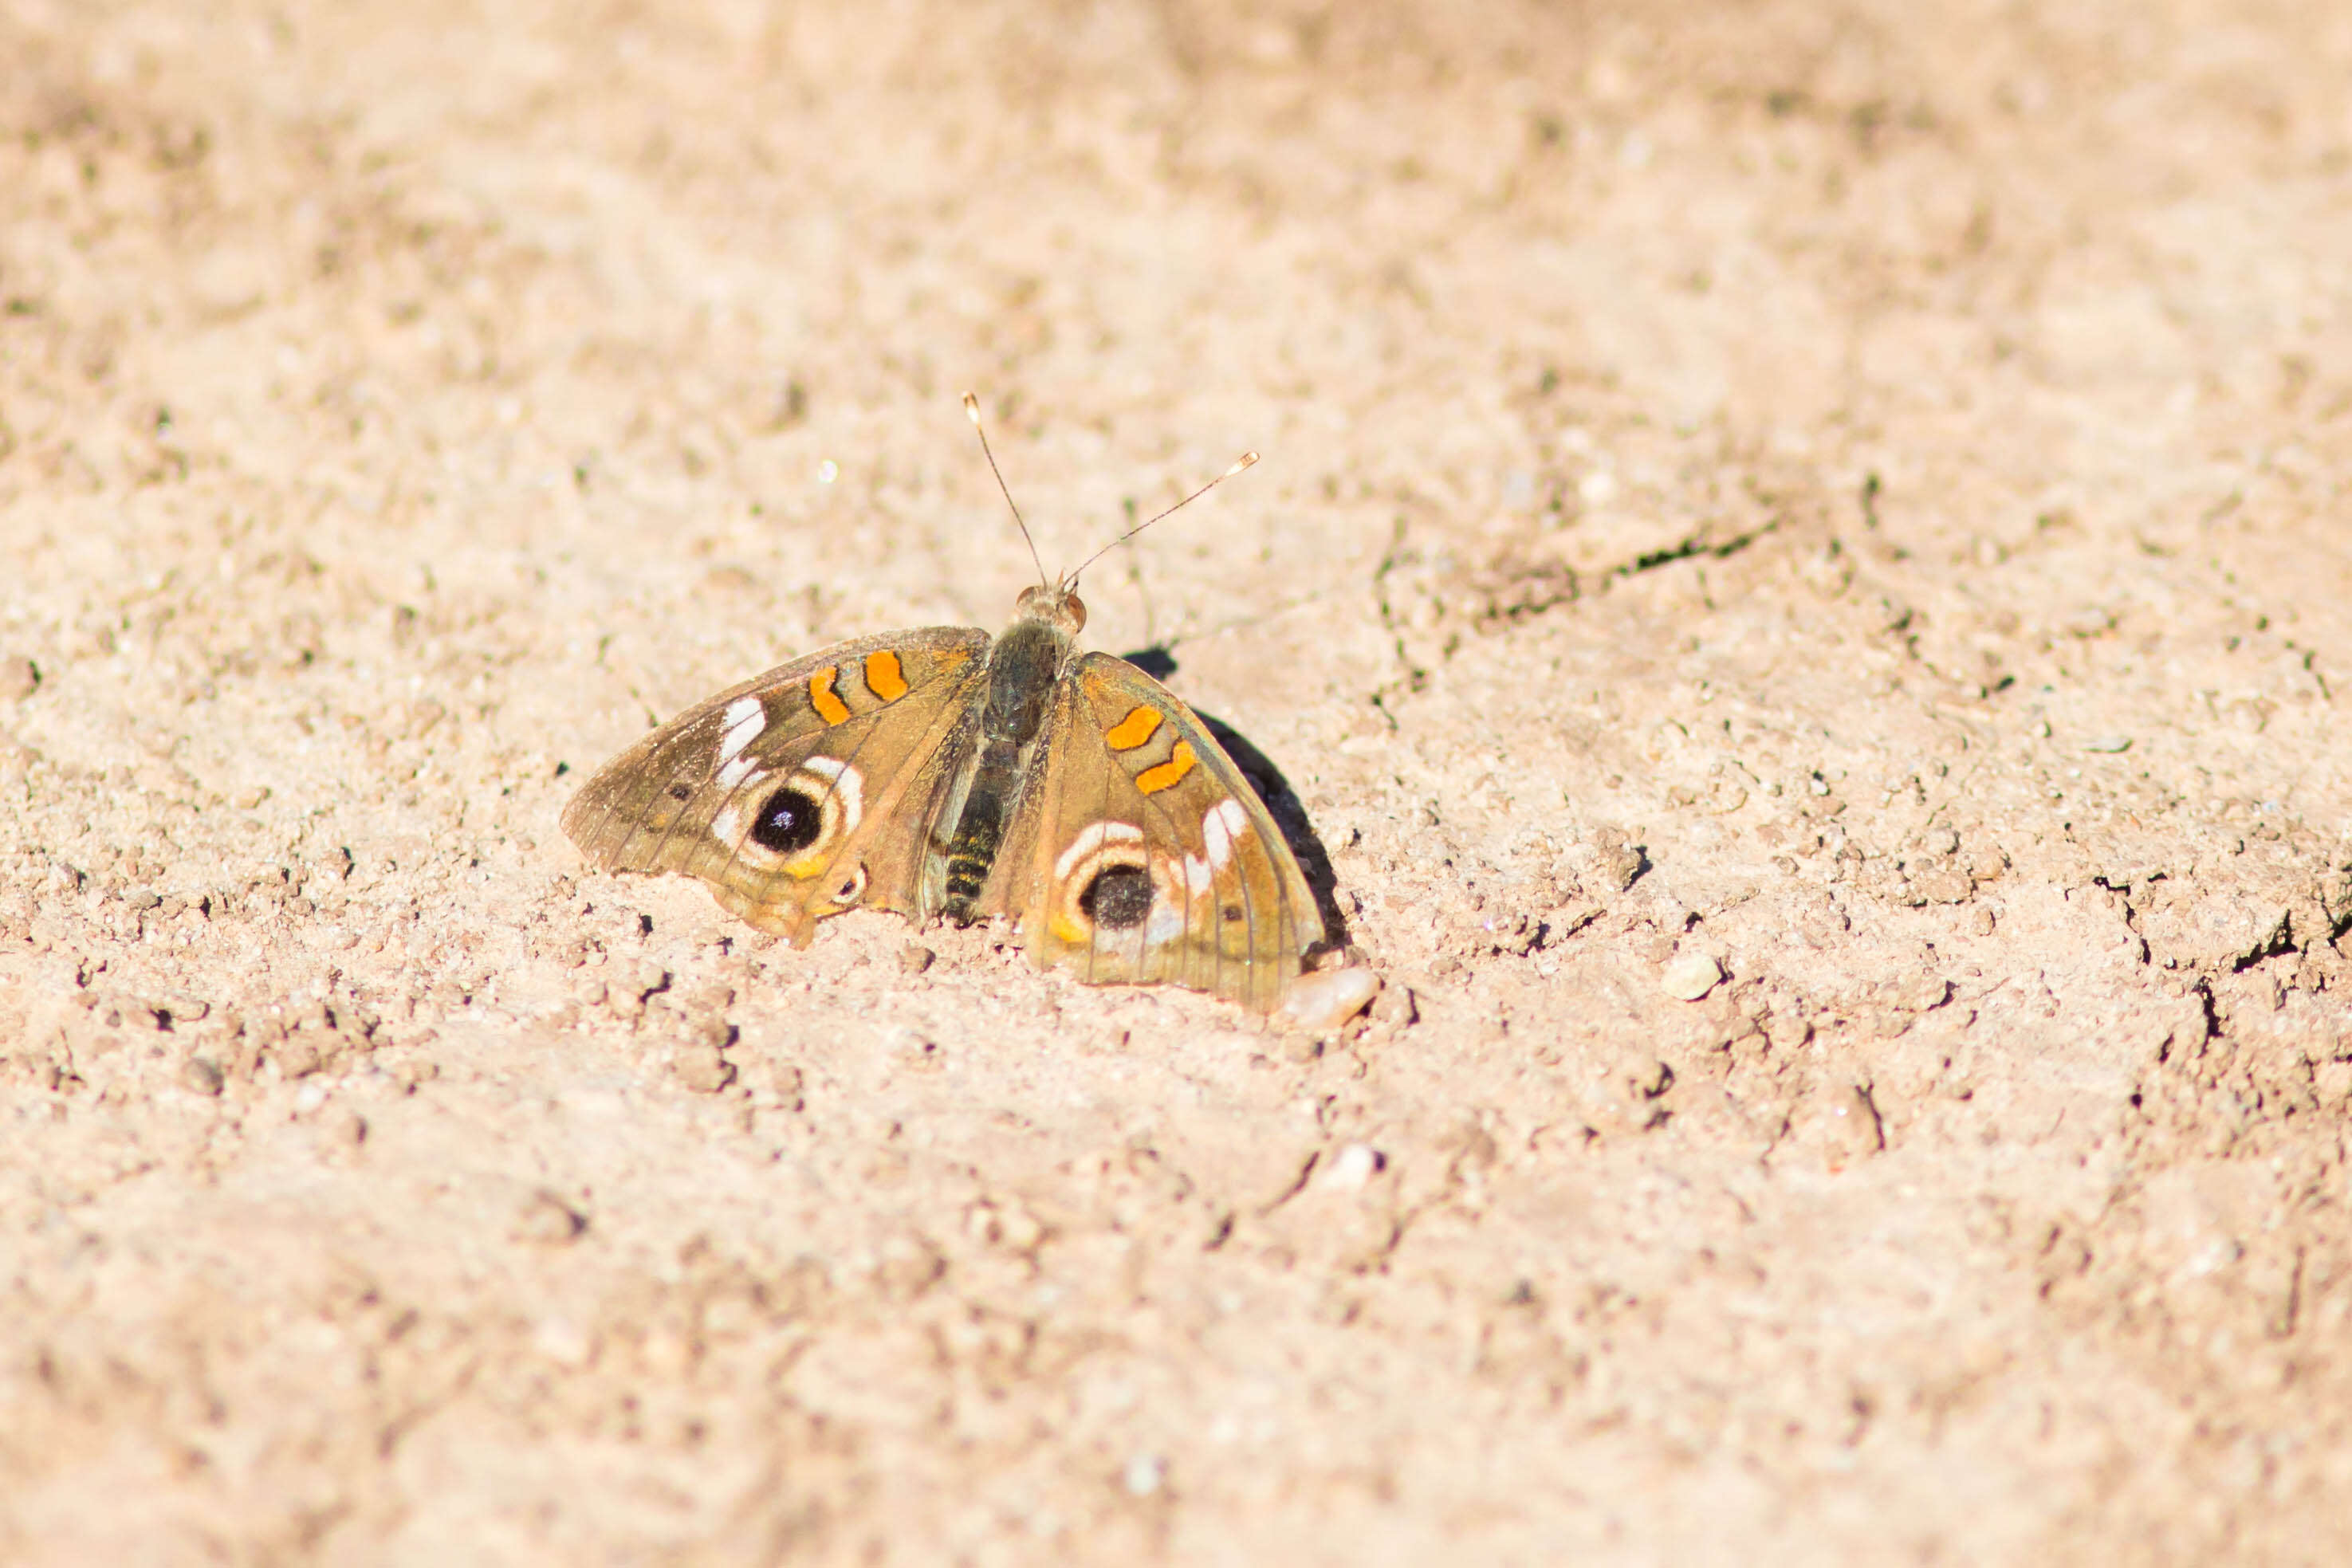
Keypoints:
pixel 699 1067
pixel 1145 1473
pixel 1618 865
pixel 914 958
pixel 1014 1228
pixel 2108 743
pixel 202 1076
pixel 1330 997
pixel 1352 1166
pixel 913 1050
pixel 1690 976
pixel 19 678
pixel 549 1221
pixel 296 1057
pixel 562 1342
pixel 1395 1005
pixel 787 1084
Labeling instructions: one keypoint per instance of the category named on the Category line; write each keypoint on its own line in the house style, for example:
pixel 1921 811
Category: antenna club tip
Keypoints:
pixel 1245 460
pixel 972 408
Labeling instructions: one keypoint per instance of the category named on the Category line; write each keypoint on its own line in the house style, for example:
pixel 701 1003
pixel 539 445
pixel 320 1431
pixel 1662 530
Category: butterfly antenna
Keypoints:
pixel 1243 461
pixel 971 412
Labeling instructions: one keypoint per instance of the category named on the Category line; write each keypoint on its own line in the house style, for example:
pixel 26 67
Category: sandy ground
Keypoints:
pixel 1843 495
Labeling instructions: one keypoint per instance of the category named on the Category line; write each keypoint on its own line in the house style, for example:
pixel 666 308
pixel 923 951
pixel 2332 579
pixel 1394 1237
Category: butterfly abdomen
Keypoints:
pixel 1022 669
pixel 979 831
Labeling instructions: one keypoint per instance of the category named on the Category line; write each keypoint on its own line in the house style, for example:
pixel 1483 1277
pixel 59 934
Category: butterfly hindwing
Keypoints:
pixel 1142 855
pixel 790 792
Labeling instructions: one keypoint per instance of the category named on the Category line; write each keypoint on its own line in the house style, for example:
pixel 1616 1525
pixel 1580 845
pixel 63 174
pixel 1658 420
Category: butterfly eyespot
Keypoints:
pixel 681 791
pixel 789 821
pixel 1232 912
pixel 801 821
pixel 1117 898
pixel 852 888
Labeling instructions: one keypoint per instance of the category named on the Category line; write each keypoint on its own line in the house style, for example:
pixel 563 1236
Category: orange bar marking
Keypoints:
pixel 1134 729
pixel 829 707
pixel 884 678
pixel 1152 780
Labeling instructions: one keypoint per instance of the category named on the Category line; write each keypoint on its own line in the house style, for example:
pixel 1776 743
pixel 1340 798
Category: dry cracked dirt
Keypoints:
pixel 1799 591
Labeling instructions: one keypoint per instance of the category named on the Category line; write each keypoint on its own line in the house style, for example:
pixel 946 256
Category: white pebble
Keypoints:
pixel 1690 976
pixel 1328 998
pixel 1144 1474
pixel 562 1342
pixel 1352 1166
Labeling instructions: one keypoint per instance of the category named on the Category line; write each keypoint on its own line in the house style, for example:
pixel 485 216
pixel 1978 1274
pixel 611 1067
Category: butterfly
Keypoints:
pixel 944 774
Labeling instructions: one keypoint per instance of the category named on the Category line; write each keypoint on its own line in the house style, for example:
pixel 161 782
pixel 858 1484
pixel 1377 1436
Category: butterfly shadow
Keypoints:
pixel 1281 801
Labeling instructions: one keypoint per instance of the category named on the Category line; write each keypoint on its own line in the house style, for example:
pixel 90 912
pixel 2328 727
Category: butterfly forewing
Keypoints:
pixel 786 792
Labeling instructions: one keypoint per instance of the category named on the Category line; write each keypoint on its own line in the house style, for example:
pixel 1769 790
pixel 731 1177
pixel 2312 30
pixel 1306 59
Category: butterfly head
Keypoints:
pixel 1059 606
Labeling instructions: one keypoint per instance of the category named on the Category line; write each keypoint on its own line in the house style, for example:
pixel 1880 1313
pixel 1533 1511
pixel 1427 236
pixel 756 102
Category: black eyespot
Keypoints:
pixel 681 791
pixel 1232 912
pixel 1117 898
pixel 789 822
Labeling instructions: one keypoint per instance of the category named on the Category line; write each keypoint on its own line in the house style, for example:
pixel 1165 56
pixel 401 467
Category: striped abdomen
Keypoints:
pixel 1022 668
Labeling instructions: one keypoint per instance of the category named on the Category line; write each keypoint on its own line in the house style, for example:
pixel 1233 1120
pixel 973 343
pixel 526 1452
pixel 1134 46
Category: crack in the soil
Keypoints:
pixel 2277 945
pixel 1695 544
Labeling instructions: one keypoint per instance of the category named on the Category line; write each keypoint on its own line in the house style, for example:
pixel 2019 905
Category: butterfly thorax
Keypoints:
pixel 1023 666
